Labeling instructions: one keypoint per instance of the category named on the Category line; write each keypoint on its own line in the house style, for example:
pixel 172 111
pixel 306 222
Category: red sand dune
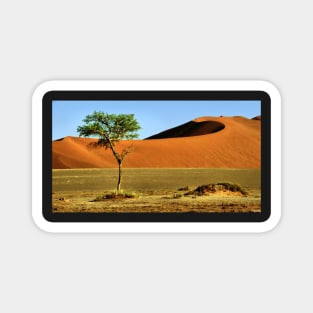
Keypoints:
pixel 211 142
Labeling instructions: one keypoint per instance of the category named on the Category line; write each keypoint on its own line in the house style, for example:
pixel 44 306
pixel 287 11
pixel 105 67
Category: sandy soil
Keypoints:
pixel 166 202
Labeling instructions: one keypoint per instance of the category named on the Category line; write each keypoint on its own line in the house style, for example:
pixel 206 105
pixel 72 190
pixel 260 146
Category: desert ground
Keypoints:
pixel 163 171
pixel 154 190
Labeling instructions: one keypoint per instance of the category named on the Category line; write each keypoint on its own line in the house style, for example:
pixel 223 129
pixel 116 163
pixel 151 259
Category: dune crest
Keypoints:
pixel 205 142
pixel 196 127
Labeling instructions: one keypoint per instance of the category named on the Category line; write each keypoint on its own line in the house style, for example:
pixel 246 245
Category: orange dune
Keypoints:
pixel 205 142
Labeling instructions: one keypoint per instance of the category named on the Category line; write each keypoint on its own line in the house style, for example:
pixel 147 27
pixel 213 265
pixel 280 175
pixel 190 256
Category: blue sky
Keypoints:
pixel 153 116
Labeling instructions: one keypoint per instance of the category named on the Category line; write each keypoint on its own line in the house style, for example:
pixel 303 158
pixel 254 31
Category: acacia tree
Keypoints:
pixel 110 129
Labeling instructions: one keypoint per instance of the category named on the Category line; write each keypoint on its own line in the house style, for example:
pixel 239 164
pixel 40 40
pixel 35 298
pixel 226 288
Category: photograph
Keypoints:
pixel 156 156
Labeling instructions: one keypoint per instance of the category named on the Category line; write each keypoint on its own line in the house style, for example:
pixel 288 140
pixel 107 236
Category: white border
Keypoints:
pixel 134 227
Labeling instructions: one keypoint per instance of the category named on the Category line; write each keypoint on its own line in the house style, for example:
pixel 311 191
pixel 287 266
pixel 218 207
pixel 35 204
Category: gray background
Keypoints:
pixel 43 272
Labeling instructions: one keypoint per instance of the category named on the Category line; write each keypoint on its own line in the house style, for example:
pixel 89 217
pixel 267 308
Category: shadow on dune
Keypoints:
pixel 258 118
pixel 190 129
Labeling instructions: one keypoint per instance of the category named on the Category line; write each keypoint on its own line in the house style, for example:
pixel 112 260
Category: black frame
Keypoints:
pixel 156 95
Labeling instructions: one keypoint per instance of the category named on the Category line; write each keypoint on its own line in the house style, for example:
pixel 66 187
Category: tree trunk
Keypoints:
pixel 118 188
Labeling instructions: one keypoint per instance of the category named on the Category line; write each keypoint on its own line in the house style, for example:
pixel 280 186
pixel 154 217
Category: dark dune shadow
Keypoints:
pixel 190 129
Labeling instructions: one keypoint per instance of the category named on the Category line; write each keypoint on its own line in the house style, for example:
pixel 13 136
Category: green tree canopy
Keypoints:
pixel 110 129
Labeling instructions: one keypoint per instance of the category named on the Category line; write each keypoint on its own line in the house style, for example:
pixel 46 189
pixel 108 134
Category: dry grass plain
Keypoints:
pixel 157 190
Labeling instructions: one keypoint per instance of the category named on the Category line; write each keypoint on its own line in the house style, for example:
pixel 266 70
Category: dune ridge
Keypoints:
pixel 192 128
pixel 205 142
